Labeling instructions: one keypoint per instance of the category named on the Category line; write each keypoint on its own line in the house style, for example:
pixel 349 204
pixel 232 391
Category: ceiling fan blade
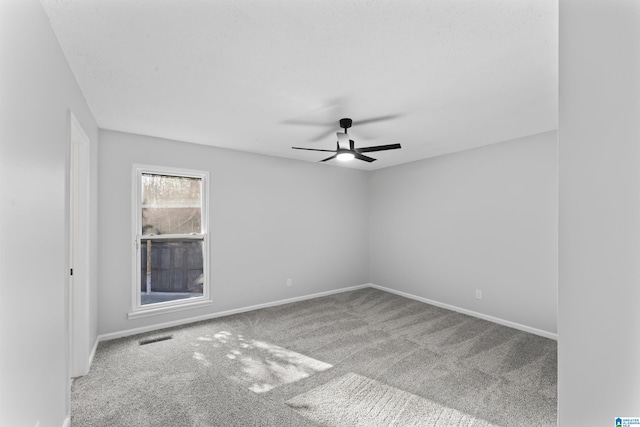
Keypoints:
pixel 329 158
pixel 321 114
pixel 323 135
pixel 313 149
pixel 375 119
pixel 363 157
pixel 378 148
pixel 307 123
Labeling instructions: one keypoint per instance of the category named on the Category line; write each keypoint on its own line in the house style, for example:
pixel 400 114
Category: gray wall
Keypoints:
pixel 480 219
pixel 599 222
pixel 599 216
pixel 270 219
pixel 438 228
pixel 38 90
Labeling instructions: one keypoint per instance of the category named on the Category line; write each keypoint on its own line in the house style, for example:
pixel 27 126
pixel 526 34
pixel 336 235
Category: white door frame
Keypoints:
pixel 79 302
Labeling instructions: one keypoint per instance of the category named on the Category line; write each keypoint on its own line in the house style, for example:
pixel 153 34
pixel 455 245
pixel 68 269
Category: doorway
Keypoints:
pixel 79 302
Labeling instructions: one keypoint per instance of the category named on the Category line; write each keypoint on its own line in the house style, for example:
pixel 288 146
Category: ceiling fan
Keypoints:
pixel 345 149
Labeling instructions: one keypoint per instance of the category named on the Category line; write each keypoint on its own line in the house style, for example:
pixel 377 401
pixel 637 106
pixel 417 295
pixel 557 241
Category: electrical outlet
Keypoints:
pixel 289 282
pixel 478 294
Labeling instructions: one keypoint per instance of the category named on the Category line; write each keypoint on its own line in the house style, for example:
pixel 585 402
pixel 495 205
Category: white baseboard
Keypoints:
pixel 482 316
pixel 67 422
pixel 135 331
pixel 93 352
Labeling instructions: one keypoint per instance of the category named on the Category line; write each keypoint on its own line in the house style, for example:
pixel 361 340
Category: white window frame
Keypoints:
pixel 137 309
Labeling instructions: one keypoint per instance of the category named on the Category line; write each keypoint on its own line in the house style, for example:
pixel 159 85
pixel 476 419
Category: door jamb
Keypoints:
pixel 79 301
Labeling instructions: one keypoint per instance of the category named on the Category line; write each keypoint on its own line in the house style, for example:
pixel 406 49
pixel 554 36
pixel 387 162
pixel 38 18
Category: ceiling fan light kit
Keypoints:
pixel 345 156
pixel 345 147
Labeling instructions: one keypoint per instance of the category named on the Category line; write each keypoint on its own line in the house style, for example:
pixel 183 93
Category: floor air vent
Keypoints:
pixel 157 339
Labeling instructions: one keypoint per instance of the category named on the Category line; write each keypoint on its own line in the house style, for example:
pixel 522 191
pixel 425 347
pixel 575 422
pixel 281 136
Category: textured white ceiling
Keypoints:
pixel 252 74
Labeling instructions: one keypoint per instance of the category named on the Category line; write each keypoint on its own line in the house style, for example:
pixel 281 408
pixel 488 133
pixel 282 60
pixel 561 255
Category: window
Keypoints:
pixel 171 240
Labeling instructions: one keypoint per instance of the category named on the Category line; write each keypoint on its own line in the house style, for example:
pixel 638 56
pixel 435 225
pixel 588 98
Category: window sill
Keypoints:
pixel 146 312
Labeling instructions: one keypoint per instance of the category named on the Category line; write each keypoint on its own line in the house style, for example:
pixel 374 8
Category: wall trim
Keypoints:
pixel 140 330
pixel 510 324
pixel 67 422
pixel 143 329
pixel 93 352
pixel 170 309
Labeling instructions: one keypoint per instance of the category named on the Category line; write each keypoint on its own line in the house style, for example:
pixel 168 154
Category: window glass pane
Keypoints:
pixel 171 204
pixel 170 270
